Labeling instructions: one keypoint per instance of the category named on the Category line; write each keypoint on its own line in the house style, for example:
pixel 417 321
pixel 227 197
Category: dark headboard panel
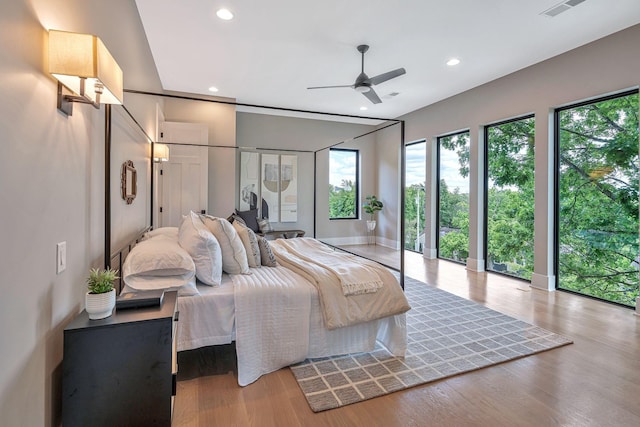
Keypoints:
pixel 118 257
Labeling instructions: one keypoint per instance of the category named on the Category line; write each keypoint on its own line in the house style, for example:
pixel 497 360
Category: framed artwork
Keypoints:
pixel 269 183
pixel 249 180
pixel 288 188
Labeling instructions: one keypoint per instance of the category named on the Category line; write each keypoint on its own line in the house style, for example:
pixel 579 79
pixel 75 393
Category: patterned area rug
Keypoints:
pixel 447 335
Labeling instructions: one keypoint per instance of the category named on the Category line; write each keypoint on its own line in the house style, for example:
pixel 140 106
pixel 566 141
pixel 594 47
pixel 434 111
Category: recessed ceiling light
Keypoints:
pixel 213 89
pixel 224 14
pixel 453 61
pixel 363 108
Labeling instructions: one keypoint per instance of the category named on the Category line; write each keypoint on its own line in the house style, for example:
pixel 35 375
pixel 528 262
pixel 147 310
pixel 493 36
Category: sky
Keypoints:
pixel 342 166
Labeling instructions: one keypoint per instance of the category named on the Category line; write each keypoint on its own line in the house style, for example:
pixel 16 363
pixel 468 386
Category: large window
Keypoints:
pixel 414 196
pixel 453 197
pixel 509 163
pixel 597 198
pixel 343 183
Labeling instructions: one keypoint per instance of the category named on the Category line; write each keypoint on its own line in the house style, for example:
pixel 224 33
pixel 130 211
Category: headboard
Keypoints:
pixel 118 257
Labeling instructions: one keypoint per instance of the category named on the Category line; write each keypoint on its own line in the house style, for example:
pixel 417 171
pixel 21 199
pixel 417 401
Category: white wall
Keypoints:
pixel 51 190
pixel 608 65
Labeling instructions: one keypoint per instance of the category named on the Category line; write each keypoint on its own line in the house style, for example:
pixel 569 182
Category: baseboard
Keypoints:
pixel 543 282
pixel 476 265
pixel 430 253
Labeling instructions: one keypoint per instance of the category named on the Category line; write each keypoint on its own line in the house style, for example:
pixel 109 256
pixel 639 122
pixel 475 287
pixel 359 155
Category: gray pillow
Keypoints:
pixel 250 218
pixel 267 257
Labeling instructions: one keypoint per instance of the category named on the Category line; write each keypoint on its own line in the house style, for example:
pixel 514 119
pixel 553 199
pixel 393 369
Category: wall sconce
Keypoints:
pixel 160 152
pixel 83 65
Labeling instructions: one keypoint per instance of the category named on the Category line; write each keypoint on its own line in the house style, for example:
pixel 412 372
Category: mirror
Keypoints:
pixel 128 182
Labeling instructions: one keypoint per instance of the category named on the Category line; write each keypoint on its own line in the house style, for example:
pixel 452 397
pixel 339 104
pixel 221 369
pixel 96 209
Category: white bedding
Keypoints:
pixel 265 342
pixel 208 318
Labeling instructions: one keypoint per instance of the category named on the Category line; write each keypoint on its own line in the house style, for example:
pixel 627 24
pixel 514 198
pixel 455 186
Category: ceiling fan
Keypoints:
pixel 364 84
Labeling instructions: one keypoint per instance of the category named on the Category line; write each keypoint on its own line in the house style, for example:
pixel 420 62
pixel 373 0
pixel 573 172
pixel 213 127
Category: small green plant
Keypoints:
pixel 101 281
pixel 372 205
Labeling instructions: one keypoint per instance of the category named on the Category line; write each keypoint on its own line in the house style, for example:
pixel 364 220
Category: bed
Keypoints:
pixel 278 314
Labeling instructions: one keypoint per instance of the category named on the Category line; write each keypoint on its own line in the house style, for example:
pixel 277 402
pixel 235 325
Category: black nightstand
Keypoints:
pixel 121 371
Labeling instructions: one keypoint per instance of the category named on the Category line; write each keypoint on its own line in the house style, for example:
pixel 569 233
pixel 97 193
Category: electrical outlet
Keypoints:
pixel 61 258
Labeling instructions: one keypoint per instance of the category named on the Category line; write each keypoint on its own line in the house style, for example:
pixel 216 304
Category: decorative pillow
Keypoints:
pixel 267 257
pixel 162 231
pixel 250 218
pixel 234 217
pixel 203 247
pixel 265 225
pixel 234 257
pixel 250 243
pixel 160 263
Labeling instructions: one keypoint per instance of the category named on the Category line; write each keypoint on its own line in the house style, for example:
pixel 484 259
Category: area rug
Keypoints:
pixel 447 335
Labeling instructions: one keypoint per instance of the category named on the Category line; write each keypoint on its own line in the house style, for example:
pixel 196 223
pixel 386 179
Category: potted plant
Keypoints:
pixel 371 206
pixel 101 295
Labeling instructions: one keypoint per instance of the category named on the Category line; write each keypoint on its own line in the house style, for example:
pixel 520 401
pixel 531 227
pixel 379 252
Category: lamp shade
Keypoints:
pixel 74 57
pixel 160 152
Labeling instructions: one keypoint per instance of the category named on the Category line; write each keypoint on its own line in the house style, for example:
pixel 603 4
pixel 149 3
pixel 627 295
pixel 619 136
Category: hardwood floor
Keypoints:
pixel 593 382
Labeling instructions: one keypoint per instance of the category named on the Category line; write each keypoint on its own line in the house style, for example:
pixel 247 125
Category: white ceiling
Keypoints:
pixel 273 50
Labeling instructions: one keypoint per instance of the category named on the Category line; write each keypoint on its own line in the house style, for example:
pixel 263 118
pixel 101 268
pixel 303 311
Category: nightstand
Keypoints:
pixel 121 371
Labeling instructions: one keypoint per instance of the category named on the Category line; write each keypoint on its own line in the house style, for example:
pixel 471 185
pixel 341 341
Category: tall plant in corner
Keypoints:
pixel 371 206
pixel 101 294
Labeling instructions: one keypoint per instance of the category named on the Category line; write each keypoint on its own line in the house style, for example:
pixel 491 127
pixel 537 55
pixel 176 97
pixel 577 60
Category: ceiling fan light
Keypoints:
pixel 362 89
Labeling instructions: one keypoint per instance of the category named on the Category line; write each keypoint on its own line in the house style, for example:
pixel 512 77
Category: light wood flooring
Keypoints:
pixel 593 382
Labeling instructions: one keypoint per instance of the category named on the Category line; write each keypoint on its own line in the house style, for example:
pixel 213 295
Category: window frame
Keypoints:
pixel 448 135
pixel 485 132
pixel 356 183
pixel 556 187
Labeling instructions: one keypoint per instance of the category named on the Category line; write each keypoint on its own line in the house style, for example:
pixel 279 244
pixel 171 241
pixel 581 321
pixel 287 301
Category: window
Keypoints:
pixel 597 198
pixel 343 183
pixel 509 162
pixel 414 195
pixel 453 197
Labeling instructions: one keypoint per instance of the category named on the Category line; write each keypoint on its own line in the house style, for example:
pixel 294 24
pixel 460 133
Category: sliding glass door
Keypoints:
pixel 597 198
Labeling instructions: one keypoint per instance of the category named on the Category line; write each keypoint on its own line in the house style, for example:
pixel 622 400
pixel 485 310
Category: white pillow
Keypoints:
pixel 162 231
pixel 234 257
pixel 203 247
pixel 250 243
pixel 159 263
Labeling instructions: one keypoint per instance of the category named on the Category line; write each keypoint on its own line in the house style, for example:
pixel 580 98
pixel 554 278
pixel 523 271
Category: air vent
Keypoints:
pixel 391 95
pixel 561 7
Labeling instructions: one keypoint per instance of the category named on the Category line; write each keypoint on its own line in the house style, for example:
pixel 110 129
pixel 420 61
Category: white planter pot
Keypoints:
pixel 99 306
pixel 371 225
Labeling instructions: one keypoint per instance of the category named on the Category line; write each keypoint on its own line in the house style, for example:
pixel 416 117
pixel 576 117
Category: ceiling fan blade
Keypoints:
pixel 328 87
pixel 372 96
pixel 381 78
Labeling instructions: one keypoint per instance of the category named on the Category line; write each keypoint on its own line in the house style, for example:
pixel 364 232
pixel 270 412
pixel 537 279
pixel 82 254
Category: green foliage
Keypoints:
pixel 372 205
pixel 101 281
pixel 342 200
pixel 510 200
pixel 598 185
pixel 413 214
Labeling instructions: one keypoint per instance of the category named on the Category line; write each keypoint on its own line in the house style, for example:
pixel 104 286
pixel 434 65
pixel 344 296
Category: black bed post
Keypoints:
pixel 107 185
pixel 402 201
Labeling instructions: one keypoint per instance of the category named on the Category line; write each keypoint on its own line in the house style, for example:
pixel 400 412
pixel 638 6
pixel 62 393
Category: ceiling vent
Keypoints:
pixel 561 7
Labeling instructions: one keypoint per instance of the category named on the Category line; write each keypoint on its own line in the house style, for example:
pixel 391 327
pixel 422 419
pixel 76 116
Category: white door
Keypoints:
pixel 184 178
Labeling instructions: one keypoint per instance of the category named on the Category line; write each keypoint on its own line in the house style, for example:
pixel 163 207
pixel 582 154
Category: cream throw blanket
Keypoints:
pixel 354 276
pixel 339 310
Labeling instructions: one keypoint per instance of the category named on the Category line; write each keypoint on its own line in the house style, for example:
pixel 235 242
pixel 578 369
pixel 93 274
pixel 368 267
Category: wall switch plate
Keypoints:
pixel 61 257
